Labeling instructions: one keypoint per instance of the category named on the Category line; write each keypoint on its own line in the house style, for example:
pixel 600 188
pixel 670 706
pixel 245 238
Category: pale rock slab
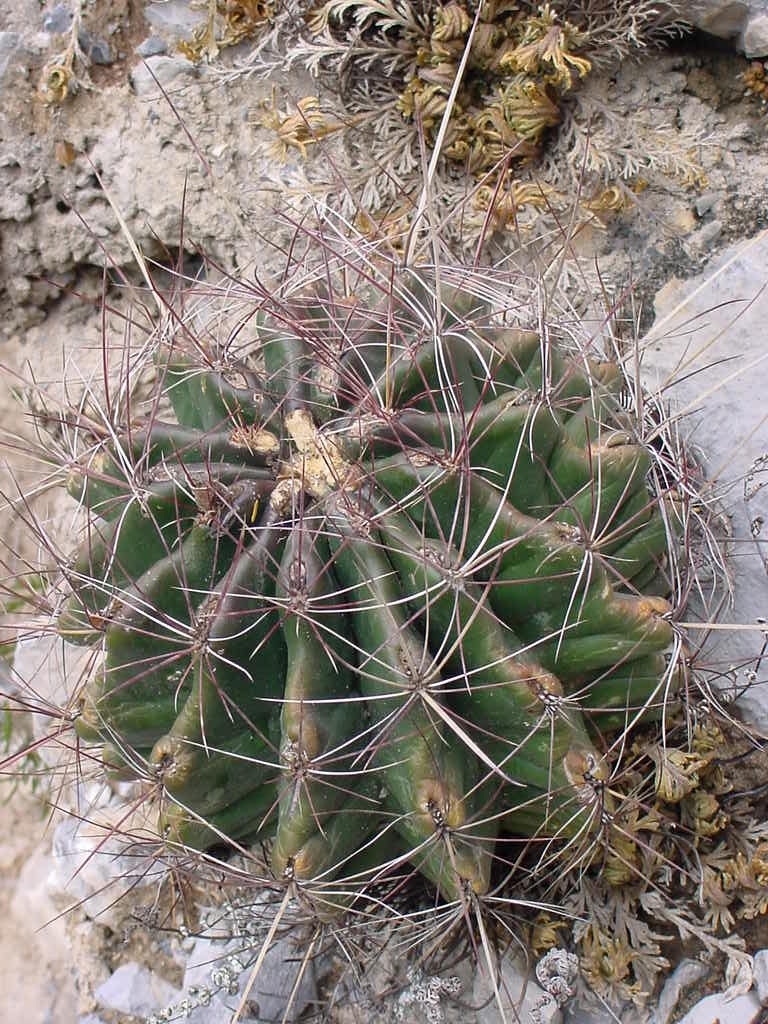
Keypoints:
pixel 9 52
pixel 98 869
pixel 134 990
pixel 519 994
pixel 177 19
pixel 159 72
pixel 218 972
pixel 760 975
pixel 717 1009
pixel 706 354
pixel 686 974
pixel 743 22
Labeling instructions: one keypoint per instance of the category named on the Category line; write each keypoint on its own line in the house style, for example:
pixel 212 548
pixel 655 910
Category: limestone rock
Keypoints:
pixel 159 72
pixel 760 973
pixel 218 972
pixel 717 1009
pixel 10 51
pixel 706 352
pixel 97 868
pixel 134 990
pixel 686 974
pixel 521 997
pixel 743 22
pixel 175 18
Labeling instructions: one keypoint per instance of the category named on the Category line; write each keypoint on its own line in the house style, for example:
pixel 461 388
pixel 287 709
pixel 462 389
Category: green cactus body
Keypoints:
pixel 377 599
pixel 319 720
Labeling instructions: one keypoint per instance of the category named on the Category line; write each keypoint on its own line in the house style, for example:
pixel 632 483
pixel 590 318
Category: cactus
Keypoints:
pixel 374 591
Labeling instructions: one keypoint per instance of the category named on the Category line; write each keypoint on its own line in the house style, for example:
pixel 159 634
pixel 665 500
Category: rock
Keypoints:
pixel 717 1009
pixel 521 997
pixel 54 670
pixel 88 960
pixel 175 18
pixel 15 206
pixel 32 903
pixel 58 20
pixel 37 970
pixel 155 72
pixel 154 46
pixel 755 36
pixel 743 22
pixel 10 46
pixel 135 990
pixel 741 132
pixel 96 868
pixel 760 975
pixel 706 350
pixel 687 973
pixel 97 50
pixel 705 202
pixel 704 238
pixel 218 971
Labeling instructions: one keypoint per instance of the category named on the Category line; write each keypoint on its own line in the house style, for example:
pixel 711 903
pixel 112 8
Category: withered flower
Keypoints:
pixel 677 772
pixel 298 131
pixel 702 813
pixel 528 108
pixel 547 48
pixel 451 22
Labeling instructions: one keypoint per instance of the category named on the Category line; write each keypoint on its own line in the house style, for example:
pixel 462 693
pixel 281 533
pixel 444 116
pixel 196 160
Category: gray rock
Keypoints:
pixel 707 352
pixel 742 22
pixel 97 50
pixel 10 43
pixel 161 72
pixel 135 990
pixel 687 973
pixel 755 36
pixel 760 975
pixel 55 669
pixel 90 1018
pixel 705 202
pixel 58 20
pixel 577 1014
pixel 717 1009
pixel 96 868
pixel 217 973
pixel 154 46
pixel 15 205
pixel 175 18
pixel 520 995
pixel 742 131
pixel 704 238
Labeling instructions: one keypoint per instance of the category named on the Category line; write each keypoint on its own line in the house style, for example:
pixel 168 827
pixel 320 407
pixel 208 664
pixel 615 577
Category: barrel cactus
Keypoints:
pixel 376 590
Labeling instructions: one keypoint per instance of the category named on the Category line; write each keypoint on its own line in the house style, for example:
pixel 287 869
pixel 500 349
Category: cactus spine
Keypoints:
pixel 372 593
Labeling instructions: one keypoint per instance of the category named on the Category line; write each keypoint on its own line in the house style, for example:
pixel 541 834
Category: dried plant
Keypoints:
pixel 228 22
pixel 66 72
pixel 489 86
pixel 756 80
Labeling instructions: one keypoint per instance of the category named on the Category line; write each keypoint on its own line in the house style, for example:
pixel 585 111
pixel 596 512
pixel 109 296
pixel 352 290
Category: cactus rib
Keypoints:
pixel 383 593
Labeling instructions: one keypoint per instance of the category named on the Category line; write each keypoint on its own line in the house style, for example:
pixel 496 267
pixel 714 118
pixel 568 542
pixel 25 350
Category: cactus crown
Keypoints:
pixel 375 590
